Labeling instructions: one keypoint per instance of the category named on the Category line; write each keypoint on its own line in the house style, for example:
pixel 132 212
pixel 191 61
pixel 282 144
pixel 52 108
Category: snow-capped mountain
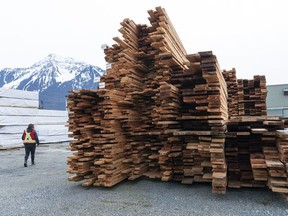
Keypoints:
pixel 52 77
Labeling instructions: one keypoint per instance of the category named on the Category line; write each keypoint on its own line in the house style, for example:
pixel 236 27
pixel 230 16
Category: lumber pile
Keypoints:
pixel 280 183
pixel 83 126
pixel 169 59
pixel 246 97
pixel 252 96
pixel 277 176
pixel 247 138
pixel 204 114
pixel 100 139
pixel 168 115
pixel 259 167
pixel 282 145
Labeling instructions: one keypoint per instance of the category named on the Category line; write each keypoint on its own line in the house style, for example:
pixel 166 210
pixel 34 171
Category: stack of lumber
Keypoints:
pixel 282 145
pixel 252 96
pixel 110 148
pixel 169 57
pixel 278 180
pixel 277 176
pixel 204 116
pixel 245 97
pixel 83 126
pixel 196 157
pixel 130 70
pixel 259 167
pixel 217 114
pixel 245 139
pixel 100 140
pixel 232 87
pixel 168 115
pixel 170 158
pixel 124 75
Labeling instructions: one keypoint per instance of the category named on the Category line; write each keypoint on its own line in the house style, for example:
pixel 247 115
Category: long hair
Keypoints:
pixel 31 126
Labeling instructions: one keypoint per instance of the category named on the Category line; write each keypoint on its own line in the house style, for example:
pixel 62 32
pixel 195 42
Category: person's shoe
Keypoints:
pixel 25 164
pixel 33 163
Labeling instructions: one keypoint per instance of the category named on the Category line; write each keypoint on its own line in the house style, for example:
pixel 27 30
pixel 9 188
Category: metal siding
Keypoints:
pixel 275 96
pixel 274 112
pixel 285 113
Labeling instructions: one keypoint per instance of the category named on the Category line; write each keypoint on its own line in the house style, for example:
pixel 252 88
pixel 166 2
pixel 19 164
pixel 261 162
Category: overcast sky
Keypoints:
pixel 250 35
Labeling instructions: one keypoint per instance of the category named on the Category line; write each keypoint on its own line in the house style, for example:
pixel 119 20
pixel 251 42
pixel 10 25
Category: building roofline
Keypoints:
pixel 278 85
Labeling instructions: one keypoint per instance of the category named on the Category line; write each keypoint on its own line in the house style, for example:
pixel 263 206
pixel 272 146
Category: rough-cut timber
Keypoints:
pixel 246 97
pixel 168 115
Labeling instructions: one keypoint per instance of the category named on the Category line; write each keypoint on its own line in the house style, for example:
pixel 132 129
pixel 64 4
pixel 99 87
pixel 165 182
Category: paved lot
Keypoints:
pixel 44 190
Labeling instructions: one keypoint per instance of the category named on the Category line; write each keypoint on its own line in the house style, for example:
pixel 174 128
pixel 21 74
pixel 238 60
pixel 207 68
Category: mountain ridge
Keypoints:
pixel 52 77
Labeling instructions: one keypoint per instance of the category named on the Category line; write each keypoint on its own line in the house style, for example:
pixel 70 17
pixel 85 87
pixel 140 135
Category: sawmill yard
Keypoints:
pixel 167 115
pixel 160 117
pixel 44 190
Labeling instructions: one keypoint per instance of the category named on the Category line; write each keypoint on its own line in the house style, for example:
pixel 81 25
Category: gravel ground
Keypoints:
pixel 43 189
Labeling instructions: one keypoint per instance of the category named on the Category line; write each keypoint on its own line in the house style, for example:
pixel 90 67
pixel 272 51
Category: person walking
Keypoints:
pixel 30 140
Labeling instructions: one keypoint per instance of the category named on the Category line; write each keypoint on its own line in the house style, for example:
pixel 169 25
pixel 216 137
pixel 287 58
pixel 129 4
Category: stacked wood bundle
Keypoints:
pixel 277 176
pixel 245 139
pixel 131 70
pixel 169 58
pixel 217 117
pixel 100 139
pixel 281 184
pixel 83 126
pixel 252 96
pixel 259 167
pixel 110 149
pixel 232 88
pixel 170 157
pixel 282 145
pixel 246 97
pixel 164 114
pixel 193 120
pixel 203 120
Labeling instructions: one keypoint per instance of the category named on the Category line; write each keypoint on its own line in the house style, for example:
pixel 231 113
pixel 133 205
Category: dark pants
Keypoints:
pixel 30 148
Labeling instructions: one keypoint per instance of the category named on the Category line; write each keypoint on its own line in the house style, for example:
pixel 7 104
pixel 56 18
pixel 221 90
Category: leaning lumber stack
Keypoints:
pixel 168 115
pixel 131 71
pixel 169 57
